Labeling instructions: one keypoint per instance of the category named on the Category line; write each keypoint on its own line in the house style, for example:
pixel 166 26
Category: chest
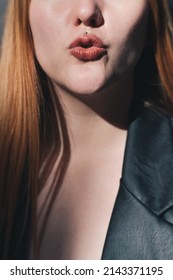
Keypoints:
pixel 79 219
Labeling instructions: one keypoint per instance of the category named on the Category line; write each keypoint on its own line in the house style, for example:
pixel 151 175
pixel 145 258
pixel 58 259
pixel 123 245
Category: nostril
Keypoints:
pixel 93 22
pixel 79 21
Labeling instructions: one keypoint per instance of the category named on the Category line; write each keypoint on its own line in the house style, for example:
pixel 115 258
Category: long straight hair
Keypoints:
pixel 31 132
pixel 162 42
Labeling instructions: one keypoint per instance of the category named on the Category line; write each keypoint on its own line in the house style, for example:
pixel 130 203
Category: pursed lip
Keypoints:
pixel 88 48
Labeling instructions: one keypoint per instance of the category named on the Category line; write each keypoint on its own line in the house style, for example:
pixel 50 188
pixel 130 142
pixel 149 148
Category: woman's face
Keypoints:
pixel 85 63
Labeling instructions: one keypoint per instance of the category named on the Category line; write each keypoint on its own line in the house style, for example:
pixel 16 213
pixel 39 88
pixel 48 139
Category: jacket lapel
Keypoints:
pixel 148 163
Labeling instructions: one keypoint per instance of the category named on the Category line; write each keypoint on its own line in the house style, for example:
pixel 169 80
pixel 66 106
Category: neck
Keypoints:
pixel 102 113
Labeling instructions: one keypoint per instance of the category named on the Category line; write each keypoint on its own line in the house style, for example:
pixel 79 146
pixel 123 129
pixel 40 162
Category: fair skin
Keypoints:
pixel 96 97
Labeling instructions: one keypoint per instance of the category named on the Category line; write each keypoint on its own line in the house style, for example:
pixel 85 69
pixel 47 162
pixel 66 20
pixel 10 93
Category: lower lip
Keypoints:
pixel 90 54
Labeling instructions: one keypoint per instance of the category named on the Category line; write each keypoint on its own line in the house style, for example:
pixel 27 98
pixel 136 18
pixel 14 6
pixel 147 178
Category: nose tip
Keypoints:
pixel 89 15
pixel 94 20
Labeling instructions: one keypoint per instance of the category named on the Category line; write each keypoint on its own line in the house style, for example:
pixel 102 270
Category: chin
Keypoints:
pixel 85 84
pixel 84 88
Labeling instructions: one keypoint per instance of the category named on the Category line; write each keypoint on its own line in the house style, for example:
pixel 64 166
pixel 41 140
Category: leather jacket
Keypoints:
pixel 141 226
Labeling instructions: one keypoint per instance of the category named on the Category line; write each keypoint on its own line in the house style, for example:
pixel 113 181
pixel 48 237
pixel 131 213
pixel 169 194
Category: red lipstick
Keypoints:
pixel 88 48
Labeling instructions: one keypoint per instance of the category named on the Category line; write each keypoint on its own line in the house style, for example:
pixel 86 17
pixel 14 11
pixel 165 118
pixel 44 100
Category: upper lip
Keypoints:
pixel 87 41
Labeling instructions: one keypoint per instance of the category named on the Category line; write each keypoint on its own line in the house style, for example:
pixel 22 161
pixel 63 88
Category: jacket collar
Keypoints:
pixel 148 162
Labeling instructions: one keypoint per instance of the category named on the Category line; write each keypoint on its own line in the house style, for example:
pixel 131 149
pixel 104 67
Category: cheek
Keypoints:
pixel 45 29
pixel 129 39
pixel 40 27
